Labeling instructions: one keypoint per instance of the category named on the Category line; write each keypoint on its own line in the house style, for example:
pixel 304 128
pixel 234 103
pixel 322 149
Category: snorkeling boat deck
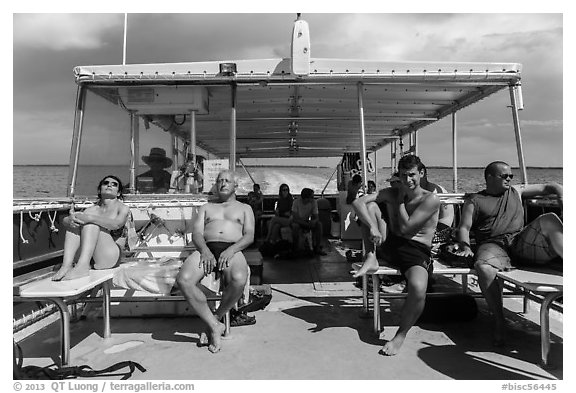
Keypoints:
pixel 219 113
pixel 313 329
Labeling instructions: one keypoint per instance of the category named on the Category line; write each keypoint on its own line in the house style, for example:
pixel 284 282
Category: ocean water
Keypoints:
pixel 51 181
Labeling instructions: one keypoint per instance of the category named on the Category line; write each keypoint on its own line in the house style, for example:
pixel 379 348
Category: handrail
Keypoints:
pixel 329 179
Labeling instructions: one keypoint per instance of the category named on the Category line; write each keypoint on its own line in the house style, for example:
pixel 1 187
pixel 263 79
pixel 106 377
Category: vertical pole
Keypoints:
pixel 518 134
pixel 375 170
pixel 232 159
pixel 393 152
pixel 454 154
pixel 192 137
pixel 106 308
pixel 125 34
pixel 191 186
pixel 412 140
pixel 134 150
pixel 76 139
pixel 362 134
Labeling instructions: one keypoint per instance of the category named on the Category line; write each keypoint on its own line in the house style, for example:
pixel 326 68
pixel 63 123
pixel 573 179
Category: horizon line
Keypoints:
pixel 311 166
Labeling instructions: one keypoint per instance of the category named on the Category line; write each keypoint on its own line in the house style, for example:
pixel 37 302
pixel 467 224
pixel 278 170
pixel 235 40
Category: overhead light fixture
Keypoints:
pixel 227 69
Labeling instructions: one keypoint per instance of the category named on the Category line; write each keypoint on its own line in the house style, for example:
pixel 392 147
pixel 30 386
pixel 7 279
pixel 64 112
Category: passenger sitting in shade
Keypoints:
pixel 305 218
pixel 255 200
pixel 91 235
pixel 353 187
pixel 282 214
pixel 371 187
pixel 157 176
pixel 446 215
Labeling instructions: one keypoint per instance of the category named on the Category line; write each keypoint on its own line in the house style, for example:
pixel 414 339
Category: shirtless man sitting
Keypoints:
pixel 413 214
pixel 223 228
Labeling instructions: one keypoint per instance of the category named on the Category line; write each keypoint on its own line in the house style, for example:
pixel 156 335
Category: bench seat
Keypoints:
pixel 61 292
pixel 544 282
pixel 547 283
pixel 439 268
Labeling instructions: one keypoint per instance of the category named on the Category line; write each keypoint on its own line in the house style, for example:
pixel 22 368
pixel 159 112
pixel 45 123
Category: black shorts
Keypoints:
pixel 404 253
pixel 218 248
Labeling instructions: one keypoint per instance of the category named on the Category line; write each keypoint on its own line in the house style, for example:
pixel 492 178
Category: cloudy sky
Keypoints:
pixel 46 47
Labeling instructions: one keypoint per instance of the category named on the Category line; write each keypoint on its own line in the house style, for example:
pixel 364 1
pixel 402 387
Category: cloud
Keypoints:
pixel 542 123
pixel 47 46
pixel 61 32
pixel 449 37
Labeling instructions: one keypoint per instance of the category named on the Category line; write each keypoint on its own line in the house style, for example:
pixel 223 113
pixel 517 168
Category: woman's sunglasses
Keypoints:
pixel 110 183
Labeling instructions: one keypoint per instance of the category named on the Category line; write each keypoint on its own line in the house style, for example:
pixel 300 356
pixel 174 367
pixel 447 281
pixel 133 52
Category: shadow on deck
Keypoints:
pixel 312 330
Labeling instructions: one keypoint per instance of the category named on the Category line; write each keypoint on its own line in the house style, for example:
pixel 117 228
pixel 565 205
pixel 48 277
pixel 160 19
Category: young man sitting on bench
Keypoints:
pixel 413 216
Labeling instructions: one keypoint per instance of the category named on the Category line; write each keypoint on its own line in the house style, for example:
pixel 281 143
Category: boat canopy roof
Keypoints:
pixel 274 112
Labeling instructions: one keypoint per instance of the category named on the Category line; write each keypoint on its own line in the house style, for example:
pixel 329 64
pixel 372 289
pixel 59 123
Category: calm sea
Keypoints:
pixel 51 181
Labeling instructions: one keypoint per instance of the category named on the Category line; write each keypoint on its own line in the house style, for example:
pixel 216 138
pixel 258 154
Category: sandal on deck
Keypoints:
pixel 238 318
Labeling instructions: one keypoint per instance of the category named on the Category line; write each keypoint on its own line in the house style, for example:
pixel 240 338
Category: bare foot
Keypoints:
pixel 61 273
pixel 392 347
pixel 216 338
pixel 77 272
pixel 370 266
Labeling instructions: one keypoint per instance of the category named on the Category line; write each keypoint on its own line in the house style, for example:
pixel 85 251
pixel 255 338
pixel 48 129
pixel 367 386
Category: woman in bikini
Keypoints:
pixel 91 235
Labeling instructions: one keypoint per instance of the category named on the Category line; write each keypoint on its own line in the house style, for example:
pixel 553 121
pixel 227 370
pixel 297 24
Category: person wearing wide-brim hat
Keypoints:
pixel 157 156
pixel 157 161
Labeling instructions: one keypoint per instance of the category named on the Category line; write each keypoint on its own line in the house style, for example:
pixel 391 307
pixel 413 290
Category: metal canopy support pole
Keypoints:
pixel 232 159
pixel 454 154
pixel 362 134
pixel 192 155
pixel 393 152
pixel 76 139
pixel 134 149
pixel 516 121
pixel 375 169
pixel 413 140
pixel 190 159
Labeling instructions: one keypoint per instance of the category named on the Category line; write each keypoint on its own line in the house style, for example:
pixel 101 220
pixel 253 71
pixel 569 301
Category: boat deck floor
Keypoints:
pixel 312 330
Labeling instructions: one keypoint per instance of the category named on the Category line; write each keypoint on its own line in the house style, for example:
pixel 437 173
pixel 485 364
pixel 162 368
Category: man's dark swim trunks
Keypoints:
pixel 218 248
pixel 404 253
